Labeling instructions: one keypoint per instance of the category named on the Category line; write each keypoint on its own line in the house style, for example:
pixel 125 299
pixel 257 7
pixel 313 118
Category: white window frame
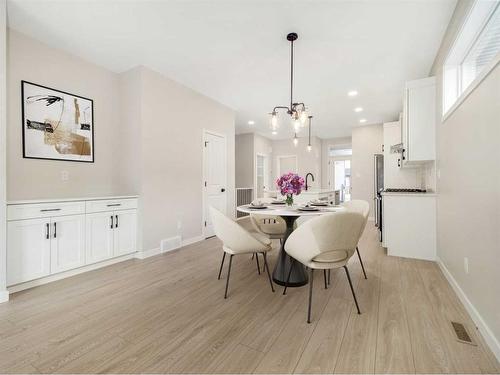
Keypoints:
pixel 472 27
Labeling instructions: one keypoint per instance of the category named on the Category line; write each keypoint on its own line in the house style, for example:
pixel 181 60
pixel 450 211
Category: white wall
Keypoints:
pixel 306 161
pixel 468 203
pixel 148 140
pixel 366 142
pixel 3 122
pixel 33 61
pixel 173 118
pixel 249 145
pixel 244 160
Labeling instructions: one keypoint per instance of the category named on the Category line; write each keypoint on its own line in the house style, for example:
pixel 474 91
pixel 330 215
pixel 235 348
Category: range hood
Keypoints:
pixel 397 148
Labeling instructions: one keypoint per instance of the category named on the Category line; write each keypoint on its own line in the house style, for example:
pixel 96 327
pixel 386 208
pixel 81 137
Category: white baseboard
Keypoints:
pixel 63 275
pixel 4 296
pixel 148 253
pixel 157 251
pixel 192 240
pixel 478 320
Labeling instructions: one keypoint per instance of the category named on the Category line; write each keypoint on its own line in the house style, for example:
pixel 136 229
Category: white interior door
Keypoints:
pixel 215 165
pixel 261 175
pixel 67 247
pixel 339 176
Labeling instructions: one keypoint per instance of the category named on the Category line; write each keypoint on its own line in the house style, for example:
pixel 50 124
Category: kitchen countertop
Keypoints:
pixel 32 201
pixel 428 194
pixel 310 191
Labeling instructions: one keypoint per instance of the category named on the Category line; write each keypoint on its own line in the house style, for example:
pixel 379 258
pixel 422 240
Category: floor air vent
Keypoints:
pixel 461 333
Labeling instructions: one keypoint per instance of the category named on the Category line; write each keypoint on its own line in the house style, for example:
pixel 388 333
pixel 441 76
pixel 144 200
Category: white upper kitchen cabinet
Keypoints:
pixel 418 130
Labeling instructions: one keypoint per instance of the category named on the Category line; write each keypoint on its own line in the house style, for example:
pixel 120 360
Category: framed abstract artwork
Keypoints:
pixel 56 125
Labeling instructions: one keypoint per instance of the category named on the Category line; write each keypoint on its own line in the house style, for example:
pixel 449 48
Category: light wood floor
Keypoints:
pixel 167 314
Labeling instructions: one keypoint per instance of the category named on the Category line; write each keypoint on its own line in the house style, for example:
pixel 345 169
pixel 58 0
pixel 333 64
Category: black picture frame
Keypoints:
pixel 24 123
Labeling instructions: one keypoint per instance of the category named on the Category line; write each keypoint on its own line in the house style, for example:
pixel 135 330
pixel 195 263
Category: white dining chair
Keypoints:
pixel 273 227
pixel 247 223
pixel 237 240
pixel 362 207
pixel 325 242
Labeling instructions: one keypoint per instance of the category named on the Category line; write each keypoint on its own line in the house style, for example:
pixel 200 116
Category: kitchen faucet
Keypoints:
pixel 307 175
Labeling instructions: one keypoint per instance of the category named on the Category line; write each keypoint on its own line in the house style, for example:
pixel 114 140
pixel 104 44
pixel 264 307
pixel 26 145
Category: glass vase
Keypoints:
pixel 289 200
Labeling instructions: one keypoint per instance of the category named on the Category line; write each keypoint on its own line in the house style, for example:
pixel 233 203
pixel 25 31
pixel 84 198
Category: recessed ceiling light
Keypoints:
pixel 358 109
pixel 274 132
pixel 352 93
pixel 363 120
pixel 251 122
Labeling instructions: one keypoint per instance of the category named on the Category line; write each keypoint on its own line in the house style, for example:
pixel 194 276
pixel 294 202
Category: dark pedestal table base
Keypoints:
pixel 298 277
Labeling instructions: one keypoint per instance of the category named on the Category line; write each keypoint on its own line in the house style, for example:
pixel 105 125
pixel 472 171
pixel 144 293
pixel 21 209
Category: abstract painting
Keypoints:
pixel 56 125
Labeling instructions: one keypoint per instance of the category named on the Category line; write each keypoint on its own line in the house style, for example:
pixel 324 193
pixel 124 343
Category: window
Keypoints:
pixel 475 52
pixel 340 152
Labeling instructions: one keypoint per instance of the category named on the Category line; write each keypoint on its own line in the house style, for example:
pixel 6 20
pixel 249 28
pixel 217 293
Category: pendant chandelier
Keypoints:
pixel 296 110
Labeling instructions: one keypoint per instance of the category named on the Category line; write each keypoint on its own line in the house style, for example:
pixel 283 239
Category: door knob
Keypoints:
pixel 222 190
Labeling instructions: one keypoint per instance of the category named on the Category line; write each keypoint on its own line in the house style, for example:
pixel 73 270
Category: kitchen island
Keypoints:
pixel 327 195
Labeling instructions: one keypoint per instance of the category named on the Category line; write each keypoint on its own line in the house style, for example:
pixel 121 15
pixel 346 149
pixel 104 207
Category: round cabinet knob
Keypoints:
pixel 222 190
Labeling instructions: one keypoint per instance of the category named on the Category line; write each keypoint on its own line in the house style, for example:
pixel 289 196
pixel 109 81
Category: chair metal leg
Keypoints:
pixel 228 273
pixel 311 278
pixel 360 261
pixel 253 255
pixel 352 289
pixel 329 274
pixel 221 264
pixel 324 276
pixel 266 266
pixel 257 259
pixel 292 263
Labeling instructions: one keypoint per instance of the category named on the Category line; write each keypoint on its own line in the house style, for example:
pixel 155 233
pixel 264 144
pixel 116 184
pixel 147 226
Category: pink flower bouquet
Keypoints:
pixel 290 184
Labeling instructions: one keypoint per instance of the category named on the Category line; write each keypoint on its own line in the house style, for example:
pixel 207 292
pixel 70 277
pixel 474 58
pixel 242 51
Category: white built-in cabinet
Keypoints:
pixel 67 250
pixel 409 225
pixel 418 127
pixel 47 238
pixel 28 250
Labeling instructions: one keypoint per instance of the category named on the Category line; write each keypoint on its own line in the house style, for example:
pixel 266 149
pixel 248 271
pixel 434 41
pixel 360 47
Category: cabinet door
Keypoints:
pixel 99 236
pixel 67 245
pixel 28 250
pixel 125 232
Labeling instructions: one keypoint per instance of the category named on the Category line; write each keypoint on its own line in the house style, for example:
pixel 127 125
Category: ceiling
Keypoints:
pixel 236 52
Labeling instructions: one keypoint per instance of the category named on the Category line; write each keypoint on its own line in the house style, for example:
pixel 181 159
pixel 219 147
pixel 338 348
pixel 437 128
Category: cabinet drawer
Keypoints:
pixel 110 205
pixel 41 210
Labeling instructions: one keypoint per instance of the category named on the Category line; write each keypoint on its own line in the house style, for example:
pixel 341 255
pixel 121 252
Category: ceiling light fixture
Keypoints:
pixel 358 109
pixel 251 122
pixel 295 140
pixel 363 120
pixel 297 111
pixel 274 132
pixel 352 93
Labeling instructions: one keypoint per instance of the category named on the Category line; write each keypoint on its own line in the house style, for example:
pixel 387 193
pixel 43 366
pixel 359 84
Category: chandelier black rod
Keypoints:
pixel 291 76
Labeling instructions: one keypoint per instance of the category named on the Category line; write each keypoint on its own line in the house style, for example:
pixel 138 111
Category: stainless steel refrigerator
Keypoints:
pixel 378 187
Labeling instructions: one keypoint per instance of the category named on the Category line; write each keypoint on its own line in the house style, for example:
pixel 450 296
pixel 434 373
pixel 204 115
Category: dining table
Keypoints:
pixel 290 214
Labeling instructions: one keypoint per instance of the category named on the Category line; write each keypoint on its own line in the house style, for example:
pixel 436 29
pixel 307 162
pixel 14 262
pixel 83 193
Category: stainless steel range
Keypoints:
pixel 398 190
